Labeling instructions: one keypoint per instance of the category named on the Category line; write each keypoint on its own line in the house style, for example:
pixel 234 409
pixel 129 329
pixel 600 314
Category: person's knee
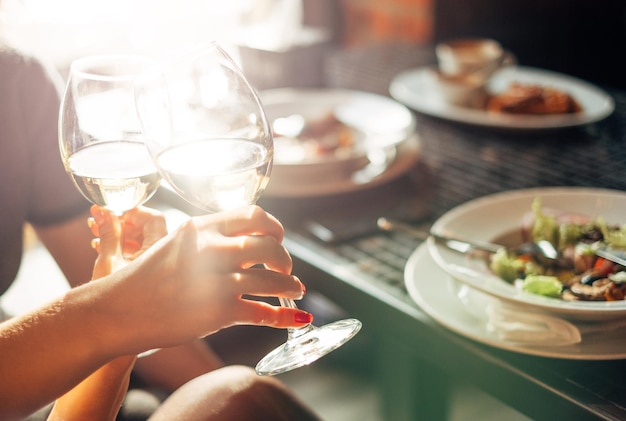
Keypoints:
pixel 235 393
pixel 266 398
pixel 251 396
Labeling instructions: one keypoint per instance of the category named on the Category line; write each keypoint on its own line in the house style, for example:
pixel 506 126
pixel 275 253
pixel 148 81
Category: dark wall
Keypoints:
pixel 583 38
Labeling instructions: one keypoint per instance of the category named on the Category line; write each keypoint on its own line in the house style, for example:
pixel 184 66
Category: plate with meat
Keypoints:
pixel 577 284
pixel 322 137
pixel 515 97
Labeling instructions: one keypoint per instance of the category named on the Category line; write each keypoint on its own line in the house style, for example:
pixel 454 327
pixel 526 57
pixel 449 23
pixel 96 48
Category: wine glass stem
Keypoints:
pixel 119 260
pixel 294 332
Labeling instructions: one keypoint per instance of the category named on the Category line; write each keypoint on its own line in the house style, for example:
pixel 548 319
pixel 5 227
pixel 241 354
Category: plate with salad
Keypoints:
pixel 578 284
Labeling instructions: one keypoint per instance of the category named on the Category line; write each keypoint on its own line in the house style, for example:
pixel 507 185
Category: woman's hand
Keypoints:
pixel 193 282
pixel 187 285
pixel 118 240
pixel 100 395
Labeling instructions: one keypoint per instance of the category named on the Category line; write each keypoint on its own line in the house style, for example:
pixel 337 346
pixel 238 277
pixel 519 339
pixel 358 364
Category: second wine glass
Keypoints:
pixel 211 141
pixel 100 138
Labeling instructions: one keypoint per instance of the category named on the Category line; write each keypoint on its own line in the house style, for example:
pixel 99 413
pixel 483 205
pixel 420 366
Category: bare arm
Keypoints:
pixel 99 396
pixel 69 244
pixel 47 352
pixel 189 284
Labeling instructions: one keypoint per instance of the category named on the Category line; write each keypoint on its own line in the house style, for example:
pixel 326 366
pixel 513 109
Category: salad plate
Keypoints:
pixel 491 218
pixel 415 88
pixel 430 287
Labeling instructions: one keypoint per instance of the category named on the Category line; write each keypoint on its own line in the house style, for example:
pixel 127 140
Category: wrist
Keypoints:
pixel 99 327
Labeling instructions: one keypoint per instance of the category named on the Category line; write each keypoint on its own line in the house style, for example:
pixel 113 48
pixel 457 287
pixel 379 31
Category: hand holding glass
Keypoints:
pixel 210 139
pixel 100 135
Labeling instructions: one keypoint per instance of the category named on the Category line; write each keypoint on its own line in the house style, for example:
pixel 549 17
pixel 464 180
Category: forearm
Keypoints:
pixel 47 352
pixel 99 396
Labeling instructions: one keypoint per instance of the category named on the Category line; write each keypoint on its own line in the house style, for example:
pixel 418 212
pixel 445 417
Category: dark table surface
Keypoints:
pixel 414 357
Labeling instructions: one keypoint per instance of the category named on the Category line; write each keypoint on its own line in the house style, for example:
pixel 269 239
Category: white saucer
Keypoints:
pixel 407 154
pixel 414 88
pixel 379 125
pixel 428 286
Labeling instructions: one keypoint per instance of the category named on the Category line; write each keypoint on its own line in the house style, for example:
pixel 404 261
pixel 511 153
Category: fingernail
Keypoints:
pixel 303 288
pixel 303 317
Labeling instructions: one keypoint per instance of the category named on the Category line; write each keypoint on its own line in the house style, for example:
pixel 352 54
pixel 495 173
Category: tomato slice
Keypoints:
pixel 603 266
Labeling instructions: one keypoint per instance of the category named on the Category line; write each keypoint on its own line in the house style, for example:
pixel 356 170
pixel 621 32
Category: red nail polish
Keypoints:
pixel 303 317
pixel 303 289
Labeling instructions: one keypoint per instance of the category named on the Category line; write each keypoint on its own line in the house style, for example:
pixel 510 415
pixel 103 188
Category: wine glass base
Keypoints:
pixel 308 347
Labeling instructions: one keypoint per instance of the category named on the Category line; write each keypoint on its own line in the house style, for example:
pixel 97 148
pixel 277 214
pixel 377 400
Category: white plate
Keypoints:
pixel 428 285
pixel 378 124
pixel 414 88
pixel 379 121
pixel 491 217
pixel 406 156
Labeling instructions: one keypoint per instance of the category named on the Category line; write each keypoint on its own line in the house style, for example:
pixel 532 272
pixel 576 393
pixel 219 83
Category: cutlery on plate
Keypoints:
pixel 615 256
pixel 543 249
pixel 457 244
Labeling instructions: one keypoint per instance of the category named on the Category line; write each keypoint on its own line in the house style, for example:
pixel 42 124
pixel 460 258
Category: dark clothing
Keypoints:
pixel 34 186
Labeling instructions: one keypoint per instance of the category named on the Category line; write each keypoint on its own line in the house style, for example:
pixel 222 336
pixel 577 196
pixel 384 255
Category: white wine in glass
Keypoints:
pixel 100 137
pixel 217 174
pixel 211 141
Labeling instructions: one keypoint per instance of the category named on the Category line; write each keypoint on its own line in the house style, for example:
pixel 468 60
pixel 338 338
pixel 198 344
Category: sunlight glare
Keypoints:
pixel 62 30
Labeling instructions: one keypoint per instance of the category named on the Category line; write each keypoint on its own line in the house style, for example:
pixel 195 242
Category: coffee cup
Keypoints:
pixel 460 90
pixel 478 57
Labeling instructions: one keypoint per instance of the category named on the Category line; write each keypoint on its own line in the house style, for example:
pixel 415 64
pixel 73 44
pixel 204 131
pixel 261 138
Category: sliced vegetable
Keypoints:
pixel 577 270
pixel 506 267
pixel 548 286
pixel 568 234
pixel 545 226
pixel 614 237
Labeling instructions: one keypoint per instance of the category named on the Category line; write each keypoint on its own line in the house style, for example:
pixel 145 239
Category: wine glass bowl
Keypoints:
pixel 209 137
pixel 100 136
pixel 206 130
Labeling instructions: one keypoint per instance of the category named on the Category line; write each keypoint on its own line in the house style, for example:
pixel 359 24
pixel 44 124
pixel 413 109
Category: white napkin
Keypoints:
pixel 514 324
pixel 517 324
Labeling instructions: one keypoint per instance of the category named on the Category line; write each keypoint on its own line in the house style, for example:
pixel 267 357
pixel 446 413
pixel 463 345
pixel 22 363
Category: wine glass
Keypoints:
pixel 210 139
pixel 100 136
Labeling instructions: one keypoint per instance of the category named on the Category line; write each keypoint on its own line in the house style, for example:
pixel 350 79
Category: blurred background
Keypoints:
pixel 314 42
